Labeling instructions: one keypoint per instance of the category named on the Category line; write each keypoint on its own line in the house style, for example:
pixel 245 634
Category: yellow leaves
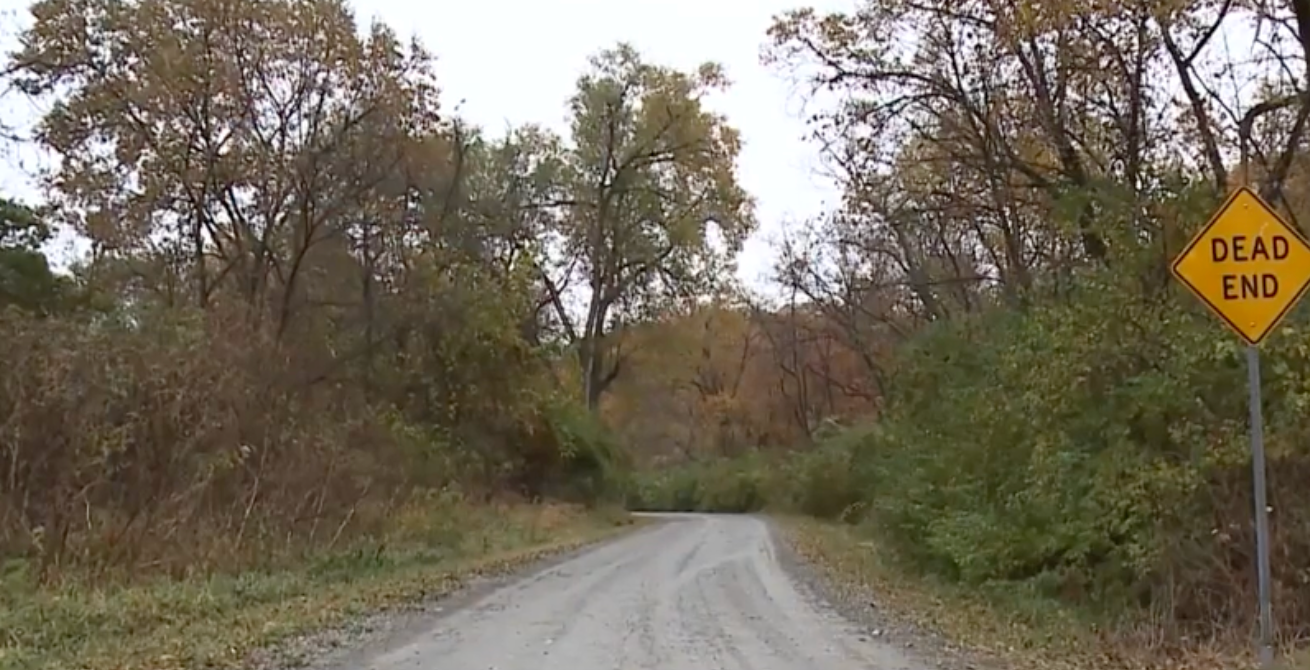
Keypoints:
pixel 1022 20
pixel 785 28
pixel 721 405
pixel 712 76
pixel 1026 12
pixel 184 92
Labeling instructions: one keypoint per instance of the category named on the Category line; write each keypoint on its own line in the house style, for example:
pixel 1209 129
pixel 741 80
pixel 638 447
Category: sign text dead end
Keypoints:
pixel 1247 265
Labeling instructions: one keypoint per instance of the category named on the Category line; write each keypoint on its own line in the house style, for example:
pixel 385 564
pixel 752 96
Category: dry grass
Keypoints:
pixel 216 621
pixel 179 489
pixel 180 446
pixel 1000 631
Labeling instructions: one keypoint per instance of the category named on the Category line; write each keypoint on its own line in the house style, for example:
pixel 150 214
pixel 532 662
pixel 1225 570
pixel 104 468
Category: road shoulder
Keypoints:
pixel 350 644
pixel 854 595
pixel 294 613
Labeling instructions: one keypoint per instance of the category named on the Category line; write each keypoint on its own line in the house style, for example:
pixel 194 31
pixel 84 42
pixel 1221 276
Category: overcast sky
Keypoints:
pixel 509 62
pixel 516 61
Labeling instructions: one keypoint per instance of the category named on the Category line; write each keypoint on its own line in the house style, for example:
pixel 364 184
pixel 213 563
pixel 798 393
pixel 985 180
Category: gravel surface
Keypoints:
pixel 861 608
pixel 695 592
pixel 376 632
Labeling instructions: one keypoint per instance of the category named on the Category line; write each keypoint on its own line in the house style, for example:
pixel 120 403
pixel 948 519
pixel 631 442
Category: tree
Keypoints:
pixel 1016 177
pixel 26 280
pixel 326 291
pixel 231 143
pixel 649 184
pixel 956 151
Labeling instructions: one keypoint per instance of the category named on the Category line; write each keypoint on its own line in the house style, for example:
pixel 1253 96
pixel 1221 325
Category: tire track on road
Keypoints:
pixel 700 592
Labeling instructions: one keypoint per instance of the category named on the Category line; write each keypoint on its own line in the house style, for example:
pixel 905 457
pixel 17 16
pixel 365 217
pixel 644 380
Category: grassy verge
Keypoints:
pixel 1004 628
pixel 215 621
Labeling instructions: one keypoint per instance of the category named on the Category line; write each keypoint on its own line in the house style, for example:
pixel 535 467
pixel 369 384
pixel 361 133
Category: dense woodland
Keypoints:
pixel 314 293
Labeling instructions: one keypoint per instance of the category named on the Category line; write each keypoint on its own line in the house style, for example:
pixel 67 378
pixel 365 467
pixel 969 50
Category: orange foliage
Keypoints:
pixel 724 379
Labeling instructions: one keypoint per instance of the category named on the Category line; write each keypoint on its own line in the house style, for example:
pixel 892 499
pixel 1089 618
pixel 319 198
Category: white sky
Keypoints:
pixel 509 62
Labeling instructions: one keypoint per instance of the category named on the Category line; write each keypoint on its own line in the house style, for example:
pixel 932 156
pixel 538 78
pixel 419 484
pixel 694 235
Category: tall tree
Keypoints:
pixel 225 142
pixel 654 210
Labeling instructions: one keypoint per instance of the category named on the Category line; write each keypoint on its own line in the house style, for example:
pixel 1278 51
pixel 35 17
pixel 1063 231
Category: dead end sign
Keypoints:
pixel 1247 265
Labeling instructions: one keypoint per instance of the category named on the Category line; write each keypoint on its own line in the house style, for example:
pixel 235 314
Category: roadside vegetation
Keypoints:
pixel 228 619
pixel 1001 394
pixel 323 352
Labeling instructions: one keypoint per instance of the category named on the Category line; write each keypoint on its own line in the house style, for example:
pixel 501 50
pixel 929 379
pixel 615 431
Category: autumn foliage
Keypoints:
pixel 314 294
pixel 1046 414
pixel 730 377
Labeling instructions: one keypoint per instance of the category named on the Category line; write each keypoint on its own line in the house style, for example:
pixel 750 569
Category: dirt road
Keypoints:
pixel 693 593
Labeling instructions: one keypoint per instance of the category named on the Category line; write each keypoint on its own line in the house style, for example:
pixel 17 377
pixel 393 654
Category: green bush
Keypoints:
pixel 592 466
pixel 1092 450
pixel 724 485
pixel 824 481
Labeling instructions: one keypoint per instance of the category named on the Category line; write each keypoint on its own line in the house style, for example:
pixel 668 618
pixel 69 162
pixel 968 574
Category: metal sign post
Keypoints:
pixel 1265 646
pixel 1250 268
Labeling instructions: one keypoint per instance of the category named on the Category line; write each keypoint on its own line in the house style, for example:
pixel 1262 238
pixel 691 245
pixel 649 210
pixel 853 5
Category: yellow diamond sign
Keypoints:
pixel 1247 265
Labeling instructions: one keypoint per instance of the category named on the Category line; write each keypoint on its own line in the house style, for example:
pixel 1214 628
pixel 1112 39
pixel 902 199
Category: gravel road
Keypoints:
pixel 696 592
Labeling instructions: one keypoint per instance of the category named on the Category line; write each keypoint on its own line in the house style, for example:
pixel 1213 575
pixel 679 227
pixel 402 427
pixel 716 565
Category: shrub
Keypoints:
pixel 187 441
pixel 172 443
